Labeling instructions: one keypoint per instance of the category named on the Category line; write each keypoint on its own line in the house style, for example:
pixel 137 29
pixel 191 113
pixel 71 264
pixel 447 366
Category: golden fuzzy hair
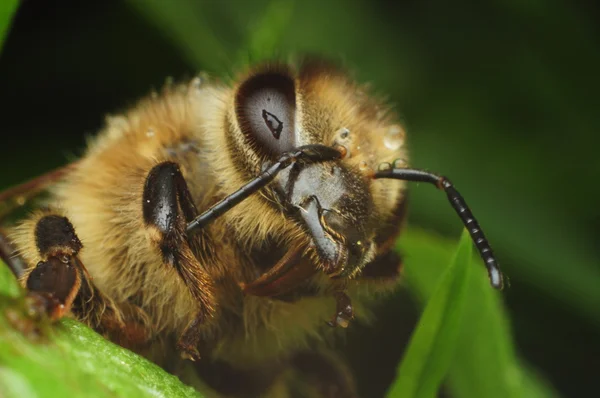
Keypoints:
pixel 192 124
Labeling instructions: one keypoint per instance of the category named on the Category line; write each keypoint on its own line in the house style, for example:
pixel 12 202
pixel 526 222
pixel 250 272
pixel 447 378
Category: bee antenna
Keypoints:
pixel 304 154
pixel 460 206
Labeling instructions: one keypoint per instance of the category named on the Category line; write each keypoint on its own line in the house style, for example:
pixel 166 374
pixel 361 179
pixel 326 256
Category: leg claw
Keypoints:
pixel 189 352
pixel 344 312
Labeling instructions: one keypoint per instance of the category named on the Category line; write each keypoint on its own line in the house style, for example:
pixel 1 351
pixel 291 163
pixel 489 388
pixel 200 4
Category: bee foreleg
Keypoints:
pixel 344 312
pixel 167 208
pixel 57 277
pixel 60 284
pixel 187 343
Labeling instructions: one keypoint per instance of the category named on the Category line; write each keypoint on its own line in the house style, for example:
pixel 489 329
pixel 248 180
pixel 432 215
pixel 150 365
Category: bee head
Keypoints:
pixel 337 205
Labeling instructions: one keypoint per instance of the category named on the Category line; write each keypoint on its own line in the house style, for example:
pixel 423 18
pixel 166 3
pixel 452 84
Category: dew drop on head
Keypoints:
pixel 400 163
pixel 384 166
pixel 394 138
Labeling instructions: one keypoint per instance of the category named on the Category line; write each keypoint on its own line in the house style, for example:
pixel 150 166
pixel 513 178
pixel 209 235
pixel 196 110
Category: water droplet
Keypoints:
pixel 384 166
pixel 394 138
pixel 363 166
pixel 344 133
pixel 196 82
pixel 195 85
pixel 150 132
pixel 400 163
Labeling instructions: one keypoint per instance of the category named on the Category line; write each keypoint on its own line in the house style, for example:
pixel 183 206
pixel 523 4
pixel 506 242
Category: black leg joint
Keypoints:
pixel 56 232
pixel 57 277
pixel 168 206
pixel 165 196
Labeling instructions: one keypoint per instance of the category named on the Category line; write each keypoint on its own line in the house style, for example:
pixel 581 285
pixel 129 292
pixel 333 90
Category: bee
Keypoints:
pixel 231 223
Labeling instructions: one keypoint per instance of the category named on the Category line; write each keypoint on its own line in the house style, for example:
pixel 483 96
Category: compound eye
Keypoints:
pixel 265 109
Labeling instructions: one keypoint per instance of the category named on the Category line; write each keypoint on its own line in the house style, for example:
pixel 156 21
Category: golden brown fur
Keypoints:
pixel 194 125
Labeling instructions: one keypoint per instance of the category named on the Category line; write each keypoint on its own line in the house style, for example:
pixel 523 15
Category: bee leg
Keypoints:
pixel 124 324
pixel 188 342
pixel 60 284
pixel 57 277
pixel 326 374
pixel 382 273
pixel 344 312
pixel 167 208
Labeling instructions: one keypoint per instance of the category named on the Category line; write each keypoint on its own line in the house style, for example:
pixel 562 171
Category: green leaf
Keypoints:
pixel 433 343
pixel 7 10
pixel 266 34
pixel 72 360
pixel 487 364
pixel 184 24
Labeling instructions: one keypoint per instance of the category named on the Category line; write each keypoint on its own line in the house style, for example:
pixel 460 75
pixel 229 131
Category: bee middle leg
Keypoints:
pixel 167 208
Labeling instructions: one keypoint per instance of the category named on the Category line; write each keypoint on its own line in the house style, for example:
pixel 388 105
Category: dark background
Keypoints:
pixel 502 96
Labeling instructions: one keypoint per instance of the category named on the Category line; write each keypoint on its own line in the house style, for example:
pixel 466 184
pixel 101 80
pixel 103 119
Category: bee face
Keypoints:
pixel 334 205
pixel 276 110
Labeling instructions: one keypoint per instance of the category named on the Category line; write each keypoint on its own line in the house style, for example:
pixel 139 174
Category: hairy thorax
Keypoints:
pixel 103 199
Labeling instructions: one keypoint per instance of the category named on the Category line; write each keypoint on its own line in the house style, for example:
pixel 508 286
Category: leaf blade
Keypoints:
pixel 7 11
pixel 183 23
pixel 75 361
pixel 266 34
pixel 488 365
pixel 432 344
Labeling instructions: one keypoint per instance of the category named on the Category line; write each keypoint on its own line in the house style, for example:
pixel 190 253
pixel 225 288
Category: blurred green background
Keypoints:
pixel 503 97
